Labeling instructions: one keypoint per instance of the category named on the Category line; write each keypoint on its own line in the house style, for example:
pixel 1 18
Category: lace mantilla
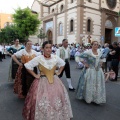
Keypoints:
pixel 49 64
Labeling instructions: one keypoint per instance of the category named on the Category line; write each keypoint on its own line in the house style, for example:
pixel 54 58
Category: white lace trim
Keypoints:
pixel 49 64
pixel 24 52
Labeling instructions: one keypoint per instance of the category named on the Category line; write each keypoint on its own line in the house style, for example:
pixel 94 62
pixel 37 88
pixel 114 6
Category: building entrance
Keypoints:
pixel 108 35
pixel 50 35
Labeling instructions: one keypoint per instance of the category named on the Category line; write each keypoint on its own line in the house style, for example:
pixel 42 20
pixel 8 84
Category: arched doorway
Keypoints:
pixel 50 35
pixel 108 31
pixel 110 24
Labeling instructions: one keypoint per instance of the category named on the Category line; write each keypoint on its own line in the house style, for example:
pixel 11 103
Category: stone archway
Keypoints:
pixel 113 20
pixel 50 35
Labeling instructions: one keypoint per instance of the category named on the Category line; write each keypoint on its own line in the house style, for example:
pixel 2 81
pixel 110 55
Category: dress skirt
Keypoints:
pixel 23 81
pixel 12 70
pixel 47 101
pixel 91 86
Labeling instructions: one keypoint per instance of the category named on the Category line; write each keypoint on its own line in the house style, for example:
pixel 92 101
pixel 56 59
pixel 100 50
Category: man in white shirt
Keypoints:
pixel 64 54
pixel 38 48
pixel 34 47
pixel 1 50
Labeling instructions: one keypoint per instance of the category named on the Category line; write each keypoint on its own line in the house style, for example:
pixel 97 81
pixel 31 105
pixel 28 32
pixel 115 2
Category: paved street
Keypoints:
pixel 11 106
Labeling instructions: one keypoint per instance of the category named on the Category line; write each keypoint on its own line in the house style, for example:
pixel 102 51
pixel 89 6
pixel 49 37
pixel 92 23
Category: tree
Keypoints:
pixel 2 35
pixel 8 34
pixel 119 13
pixel 42 35
pixel 26 22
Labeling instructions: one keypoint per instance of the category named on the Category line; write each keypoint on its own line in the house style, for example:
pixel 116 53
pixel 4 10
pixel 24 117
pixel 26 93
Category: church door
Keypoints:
pixel 50 35
pixel 108 35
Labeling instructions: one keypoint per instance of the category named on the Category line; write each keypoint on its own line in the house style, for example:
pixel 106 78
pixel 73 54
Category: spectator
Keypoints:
pixel 0 53
pixel 105 55
pixel 115 58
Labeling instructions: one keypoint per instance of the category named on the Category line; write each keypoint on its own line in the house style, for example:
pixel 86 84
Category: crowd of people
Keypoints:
pixel 37 70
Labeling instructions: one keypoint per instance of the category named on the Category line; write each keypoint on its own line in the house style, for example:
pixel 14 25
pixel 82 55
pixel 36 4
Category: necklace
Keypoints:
pixel 47 56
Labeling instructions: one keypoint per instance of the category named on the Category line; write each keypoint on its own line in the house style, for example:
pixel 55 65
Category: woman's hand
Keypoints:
pixel 37 76
pixel 86 65
pixel 57 73
pixel 20 64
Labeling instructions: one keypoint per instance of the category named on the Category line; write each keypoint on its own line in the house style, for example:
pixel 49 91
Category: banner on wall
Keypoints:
pixel 117 32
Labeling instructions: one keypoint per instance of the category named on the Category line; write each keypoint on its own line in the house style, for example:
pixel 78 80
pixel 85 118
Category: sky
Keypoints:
pixel 8 6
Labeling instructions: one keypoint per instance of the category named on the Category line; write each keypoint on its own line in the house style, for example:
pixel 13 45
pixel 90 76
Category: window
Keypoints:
pixel 62 7
pixel 89 25
pixel 60 29
pixel 111 3
pixel 52 10
pixel 72 1
pixel 89 0
pixel 71 25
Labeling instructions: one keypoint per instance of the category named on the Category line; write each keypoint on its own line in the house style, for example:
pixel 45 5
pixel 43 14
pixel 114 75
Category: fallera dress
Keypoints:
pixel 47 98
pixel 23 79
pixel 13 65
pixel 91 85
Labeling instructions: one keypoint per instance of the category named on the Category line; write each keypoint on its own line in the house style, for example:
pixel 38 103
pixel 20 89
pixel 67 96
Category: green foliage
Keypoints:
pixel 119 13
pixel 26 22
pixel 8 34
pixel 42 35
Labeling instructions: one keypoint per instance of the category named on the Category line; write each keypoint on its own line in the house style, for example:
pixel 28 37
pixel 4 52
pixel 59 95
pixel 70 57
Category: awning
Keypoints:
pixel 49 2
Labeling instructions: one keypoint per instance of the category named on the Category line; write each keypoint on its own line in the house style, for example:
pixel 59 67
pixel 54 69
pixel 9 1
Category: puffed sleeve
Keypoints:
pixel 32 63
pixel 9 49
pixel 60 62
pixel 84 55
pixel 19 53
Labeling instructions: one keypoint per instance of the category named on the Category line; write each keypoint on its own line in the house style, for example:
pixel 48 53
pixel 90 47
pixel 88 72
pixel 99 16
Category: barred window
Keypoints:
pixel 89 25
pixel 62 7
pixel 52 10
pixel 72 1
pixel 71 26
pixel 89 1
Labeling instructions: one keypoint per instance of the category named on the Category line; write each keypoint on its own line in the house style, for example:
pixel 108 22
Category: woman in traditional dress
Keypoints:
pixel 13 66
pixel 91 85
pixel 47 98
pixel 23 79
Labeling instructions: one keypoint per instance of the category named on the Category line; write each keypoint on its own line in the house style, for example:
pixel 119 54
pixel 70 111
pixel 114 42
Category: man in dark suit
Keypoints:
pixel 115 58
